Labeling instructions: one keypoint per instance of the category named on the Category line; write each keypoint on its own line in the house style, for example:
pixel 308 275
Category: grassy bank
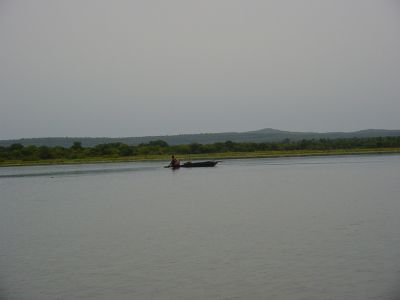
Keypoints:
pixel 223 155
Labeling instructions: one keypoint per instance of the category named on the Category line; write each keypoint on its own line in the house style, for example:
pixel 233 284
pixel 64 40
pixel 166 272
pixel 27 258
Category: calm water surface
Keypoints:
pixel 290 228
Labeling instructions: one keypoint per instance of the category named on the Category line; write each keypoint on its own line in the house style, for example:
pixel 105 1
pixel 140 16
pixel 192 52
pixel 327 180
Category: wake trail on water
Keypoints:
pixel 77 172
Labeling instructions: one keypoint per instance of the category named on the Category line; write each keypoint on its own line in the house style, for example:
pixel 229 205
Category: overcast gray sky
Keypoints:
pixel 132 68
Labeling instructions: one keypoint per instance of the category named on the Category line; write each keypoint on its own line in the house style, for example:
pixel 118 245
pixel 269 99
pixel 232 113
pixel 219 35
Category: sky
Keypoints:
pixel 135 68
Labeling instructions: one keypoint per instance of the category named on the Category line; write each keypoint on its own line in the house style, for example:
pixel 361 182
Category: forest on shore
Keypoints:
pixel 31 153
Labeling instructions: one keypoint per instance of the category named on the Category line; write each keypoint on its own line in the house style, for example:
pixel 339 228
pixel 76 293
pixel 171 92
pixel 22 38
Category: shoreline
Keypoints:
pixel 208 156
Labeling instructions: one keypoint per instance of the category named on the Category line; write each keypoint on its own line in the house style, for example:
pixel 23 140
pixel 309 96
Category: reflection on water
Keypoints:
pixel 287 228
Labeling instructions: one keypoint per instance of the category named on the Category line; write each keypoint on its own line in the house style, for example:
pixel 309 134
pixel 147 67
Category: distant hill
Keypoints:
pixel 262 135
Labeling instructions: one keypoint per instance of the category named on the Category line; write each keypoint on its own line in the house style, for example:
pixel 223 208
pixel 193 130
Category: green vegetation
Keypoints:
pixel 258 136
pixel 159 149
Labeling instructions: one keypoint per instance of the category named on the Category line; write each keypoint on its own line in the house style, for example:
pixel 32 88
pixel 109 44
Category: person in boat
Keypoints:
pixel 174 162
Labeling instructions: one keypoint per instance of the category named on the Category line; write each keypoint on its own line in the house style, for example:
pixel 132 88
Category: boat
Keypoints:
pixel 199 164
pixel 208 163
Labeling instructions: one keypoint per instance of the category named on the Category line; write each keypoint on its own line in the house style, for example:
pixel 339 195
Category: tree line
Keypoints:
pixel 77 151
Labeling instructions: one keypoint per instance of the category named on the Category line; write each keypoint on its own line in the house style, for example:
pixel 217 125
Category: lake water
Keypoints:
pixel 281 228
